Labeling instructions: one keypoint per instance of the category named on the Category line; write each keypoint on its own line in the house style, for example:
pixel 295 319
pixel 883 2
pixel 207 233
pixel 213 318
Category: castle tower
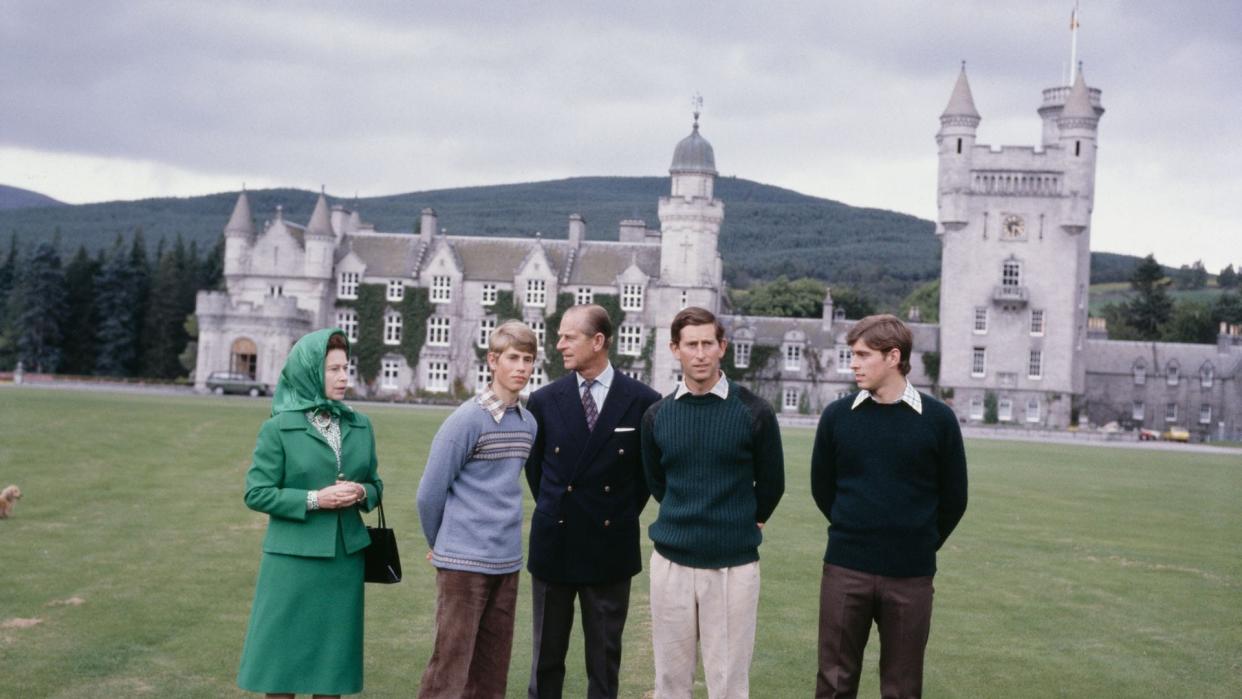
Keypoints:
pixel 238 237
pixel 690 267
pixel 1014 225
pixel 320 241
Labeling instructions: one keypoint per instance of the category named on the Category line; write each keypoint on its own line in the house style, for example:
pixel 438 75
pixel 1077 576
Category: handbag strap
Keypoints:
pixel 380 506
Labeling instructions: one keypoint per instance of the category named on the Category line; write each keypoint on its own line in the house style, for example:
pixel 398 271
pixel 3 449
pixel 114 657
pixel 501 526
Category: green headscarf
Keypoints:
pixel 301 381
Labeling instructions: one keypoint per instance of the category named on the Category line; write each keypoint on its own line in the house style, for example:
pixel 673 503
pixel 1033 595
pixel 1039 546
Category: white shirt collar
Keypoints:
pixel 604 379
pixel 910 396
pixel 720 390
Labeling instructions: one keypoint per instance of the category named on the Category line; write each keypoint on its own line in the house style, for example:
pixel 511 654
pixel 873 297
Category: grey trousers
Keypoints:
pixel 604 609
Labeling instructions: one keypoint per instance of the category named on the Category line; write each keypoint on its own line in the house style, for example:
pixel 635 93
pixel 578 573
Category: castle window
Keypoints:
pixel 536 292
pixel 632 297
pixel 353 372
pixel 347 285
pixel 1140 373
pixel 959 146
pixel 1011 273
pixel 489 294
pixel 1170 412
pixel 438 330
pixel 584 296
pixel 486 326
pixel 276 290
pixel 392 329
pixel 978 362
pixel 793 357
pixel 438 376
pixel 396 289
pixel 741 355
pixel 1173 374
pixel 389 371
pixel 540 328
pixel 1206 375
pixel 1032 410
pixel 791 399
pixel 981 320
pixel 1205 414
pixel 537 379
pixel 347 320
pixel 844 356
pixel 630 339
pixel 1137 410
pixel 1035 365
pixel 1077 148
pixel 976 408
pixel 1037 321
pixel 685 300
pixel 482 377
pixel 1004 410
pixel 441 289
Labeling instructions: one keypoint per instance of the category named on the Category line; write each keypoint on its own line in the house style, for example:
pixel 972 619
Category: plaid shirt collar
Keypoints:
pixel 495 407
pixel 910 397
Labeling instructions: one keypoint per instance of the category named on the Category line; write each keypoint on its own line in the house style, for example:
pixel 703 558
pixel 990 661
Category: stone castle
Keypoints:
pixel 1014 342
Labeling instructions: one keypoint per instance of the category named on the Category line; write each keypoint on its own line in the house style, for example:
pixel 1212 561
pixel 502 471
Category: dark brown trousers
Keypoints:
pixel 474 636
pixel 849 600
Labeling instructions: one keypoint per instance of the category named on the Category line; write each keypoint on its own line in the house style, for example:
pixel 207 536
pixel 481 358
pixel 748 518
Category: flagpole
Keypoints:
pixel 1073 44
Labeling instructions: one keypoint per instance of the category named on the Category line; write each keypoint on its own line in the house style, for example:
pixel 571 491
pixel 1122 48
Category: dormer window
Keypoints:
pixel 536 292
pixel 1173 374
pixel 441 289
pixel 347 285
pixel 396 289
pixel 793 357
pixel 631 297
pixel 1140 373
pixel 741 355
pixel 1206 376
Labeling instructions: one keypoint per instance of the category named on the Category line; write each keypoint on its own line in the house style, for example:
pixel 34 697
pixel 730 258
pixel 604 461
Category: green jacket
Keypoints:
pixel 291 458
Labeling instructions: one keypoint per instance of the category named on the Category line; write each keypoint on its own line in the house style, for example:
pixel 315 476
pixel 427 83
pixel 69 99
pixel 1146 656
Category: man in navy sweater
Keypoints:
pixel 586 475
pixel 888 470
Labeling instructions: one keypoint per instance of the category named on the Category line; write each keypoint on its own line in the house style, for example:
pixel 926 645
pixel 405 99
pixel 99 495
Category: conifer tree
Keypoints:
pixel 1151 307
pixel 1228 278
pixel 116 343
pixel 140 278
pixel 37 310
pixel 164 334
pixel 79 345
pixel 8 270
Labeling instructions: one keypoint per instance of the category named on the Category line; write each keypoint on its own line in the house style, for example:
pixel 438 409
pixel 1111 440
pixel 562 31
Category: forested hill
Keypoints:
pixel 17 198
pixel 768 231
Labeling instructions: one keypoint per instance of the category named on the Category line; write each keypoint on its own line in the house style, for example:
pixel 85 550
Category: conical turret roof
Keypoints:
pixel 241 221
pixel 320 221
pixel 1078 104
pixel 961 102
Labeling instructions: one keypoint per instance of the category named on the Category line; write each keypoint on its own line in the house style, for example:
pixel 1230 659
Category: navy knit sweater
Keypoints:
pixel 891 482
pixel 716 467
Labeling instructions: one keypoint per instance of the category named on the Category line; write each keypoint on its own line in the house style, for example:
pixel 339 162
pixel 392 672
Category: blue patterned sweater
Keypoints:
pixel 470 498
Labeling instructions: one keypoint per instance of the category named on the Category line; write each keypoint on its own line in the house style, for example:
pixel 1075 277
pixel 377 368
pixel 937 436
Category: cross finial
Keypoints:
pixel 696 103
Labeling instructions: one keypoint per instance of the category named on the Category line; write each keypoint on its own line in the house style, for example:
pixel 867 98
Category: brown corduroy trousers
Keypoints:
pixel 474 636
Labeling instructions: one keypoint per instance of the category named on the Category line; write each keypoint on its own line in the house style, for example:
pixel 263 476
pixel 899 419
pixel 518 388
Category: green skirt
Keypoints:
pixel 305 634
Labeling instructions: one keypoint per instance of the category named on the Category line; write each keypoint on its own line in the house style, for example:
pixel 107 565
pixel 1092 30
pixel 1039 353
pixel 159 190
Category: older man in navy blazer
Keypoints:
pixel 586 474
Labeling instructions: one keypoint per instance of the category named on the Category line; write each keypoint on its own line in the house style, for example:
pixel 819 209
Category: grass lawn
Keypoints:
pixel 1077 571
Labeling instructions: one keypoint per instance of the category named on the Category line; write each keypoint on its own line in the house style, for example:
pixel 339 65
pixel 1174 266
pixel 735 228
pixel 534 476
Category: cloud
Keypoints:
pixel 834 99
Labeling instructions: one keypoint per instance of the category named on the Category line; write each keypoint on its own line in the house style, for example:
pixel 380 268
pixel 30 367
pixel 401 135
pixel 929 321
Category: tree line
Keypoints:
pixel 120 312
pixel 1152 314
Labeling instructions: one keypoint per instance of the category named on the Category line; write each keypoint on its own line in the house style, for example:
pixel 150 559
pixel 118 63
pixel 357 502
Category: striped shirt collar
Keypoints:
pixel 720 390
pixel 910 397
pixel 495 407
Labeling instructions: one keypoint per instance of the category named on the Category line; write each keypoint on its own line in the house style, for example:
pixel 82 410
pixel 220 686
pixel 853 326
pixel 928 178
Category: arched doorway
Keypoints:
pixel 244 358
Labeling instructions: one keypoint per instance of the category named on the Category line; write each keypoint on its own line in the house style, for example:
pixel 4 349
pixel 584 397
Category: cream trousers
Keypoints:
pixel 714 607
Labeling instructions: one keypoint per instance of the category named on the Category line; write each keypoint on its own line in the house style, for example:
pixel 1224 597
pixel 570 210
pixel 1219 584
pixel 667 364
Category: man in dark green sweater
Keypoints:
pixel 713 460
pixel 889 472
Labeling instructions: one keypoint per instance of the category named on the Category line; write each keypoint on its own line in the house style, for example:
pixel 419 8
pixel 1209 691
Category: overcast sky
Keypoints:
pixel 110 100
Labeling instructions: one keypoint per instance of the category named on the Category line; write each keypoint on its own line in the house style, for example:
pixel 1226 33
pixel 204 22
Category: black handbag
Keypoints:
pixel 383 563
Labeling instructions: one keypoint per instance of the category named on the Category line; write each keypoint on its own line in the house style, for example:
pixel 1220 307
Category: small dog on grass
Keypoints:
pixel 8 497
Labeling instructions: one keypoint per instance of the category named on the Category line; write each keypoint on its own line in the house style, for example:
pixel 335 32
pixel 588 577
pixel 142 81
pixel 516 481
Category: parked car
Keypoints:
pixel 1146 435
pixel 1176 434
pixel 221 382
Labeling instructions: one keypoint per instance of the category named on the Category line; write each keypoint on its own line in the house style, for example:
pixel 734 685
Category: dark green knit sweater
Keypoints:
pixel 892 483
pixel 716 467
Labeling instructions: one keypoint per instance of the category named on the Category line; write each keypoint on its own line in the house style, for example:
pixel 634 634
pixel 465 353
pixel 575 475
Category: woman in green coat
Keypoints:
pixel 314 468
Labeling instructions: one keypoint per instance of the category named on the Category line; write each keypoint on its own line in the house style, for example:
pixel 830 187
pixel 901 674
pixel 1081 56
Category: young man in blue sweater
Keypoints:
pixel 713 459
pixel 889 472
pixel 470 507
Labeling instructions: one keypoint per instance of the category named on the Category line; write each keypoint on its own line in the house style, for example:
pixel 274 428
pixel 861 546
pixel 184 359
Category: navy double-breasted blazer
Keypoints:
pixel 588 486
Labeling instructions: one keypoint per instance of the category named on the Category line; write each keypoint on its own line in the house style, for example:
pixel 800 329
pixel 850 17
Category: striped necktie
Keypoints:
pixel 588 404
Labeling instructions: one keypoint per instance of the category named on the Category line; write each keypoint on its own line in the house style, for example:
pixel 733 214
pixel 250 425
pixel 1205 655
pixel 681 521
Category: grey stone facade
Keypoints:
pixel 1014 223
